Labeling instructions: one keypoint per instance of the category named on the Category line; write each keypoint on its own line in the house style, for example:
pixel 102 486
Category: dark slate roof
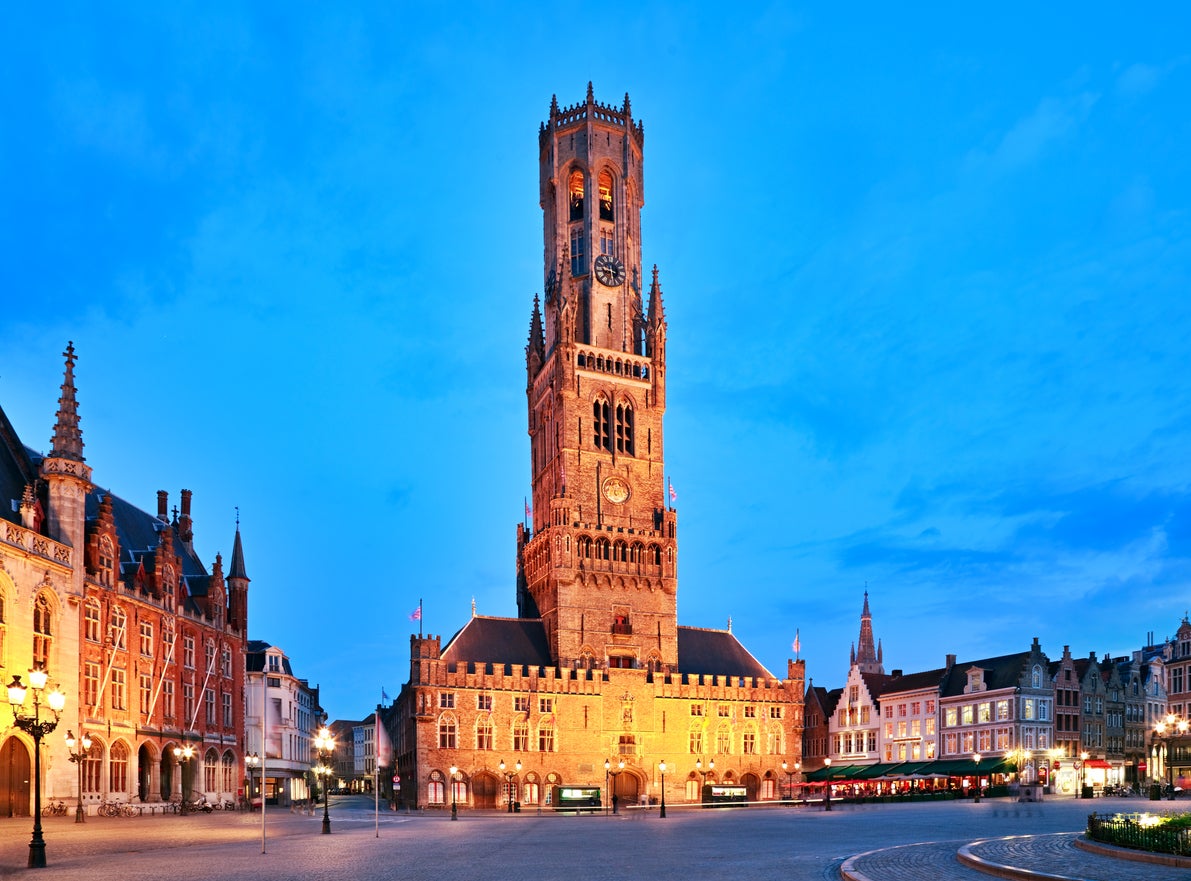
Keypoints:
pixel 830 701
pixel 1003 671
pixel 500 641
pixel 915 681
pixel 16 470
pixel 716 653
pixel 254 657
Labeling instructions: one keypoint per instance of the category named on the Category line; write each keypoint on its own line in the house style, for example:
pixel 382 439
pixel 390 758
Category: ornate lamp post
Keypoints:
pixel 183 755
pixel 454 807
pixel 789 780
pixel 325 744
pixel 1083 771
pixel 37 728
pixel 662 768
pixel 80 816
pixel 827 787
pixel 976 760
pixel 251 761
pixel 1167 729
pixel 510 776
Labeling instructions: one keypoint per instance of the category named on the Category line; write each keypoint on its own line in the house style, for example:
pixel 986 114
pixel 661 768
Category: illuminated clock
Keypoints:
pixel 616 490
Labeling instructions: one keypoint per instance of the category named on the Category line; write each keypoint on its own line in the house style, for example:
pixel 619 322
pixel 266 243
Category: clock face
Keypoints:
pixel 609 271
pixel 616 490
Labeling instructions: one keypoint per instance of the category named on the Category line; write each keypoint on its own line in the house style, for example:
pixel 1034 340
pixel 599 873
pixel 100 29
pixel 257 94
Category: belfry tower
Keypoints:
pixel 598 563
pixel 869 658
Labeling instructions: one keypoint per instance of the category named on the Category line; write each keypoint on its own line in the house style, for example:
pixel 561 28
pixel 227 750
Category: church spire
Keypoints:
pixel 67 442
pixel 866 656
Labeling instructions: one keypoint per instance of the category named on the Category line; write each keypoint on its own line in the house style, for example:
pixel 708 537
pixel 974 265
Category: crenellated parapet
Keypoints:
pixel 579 113
pixel 36 545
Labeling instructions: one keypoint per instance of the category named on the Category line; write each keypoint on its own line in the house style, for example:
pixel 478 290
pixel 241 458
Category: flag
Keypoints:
pixel 416 614
pixel 673 494
pixel 528 511
pixel 383 694
pixel 384 746
pixel 797 643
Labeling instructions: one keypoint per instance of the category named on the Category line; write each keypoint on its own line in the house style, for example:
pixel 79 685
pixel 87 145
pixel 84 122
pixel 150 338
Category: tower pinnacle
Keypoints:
pixel 866 656
pixel 67 442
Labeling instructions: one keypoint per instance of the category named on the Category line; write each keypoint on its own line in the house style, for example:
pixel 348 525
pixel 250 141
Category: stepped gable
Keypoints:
pixel 520 641
pixel 716 652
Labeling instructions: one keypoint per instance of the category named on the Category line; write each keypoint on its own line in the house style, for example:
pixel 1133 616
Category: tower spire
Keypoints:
pixel 67 442
pixel 866 656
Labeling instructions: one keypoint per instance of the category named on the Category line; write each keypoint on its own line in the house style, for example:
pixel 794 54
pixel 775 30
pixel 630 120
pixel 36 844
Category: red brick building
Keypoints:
pixel 146 642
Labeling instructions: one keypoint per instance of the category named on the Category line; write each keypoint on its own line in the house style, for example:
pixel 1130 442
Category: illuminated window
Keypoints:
pixel 43 628
pixel 520 735
pixel 605 181
pixel 446 732
pixel 624 429
pixel 119 689
pixel 90 683
pixel 575 189
pixel 546 736
pixel 484 733
pixel 118 768
pixel 696 740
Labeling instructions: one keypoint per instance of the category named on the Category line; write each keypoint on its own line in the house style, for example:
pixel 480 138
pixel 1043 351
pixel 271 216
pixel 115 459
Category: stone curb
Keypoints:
pixel 968 858
pixel 1137 856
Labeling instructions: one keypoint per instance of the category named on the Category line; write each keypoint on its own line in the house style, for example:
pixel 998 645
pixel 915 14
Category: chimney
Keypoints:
pixel 185 525
pixel 950 661
pixel 163 506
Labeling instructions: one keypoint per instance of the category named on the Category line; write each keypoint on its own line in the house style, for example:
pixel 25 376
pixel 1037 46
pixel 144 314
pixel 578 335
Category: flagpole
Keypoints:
pixel 264 747
pixel 376 766
pixel 419 617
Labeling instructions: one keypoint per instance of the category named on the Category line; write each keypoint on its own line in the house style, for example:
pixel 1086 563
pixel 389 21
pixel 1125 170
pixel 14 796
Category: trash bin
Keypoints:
pixel 1155 792
pixel 1086 792
pixel 516 807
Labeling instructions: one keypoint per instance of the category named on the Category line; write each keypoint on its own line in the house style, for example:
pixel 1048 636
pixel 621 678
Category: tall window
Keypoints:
pixel 749 743
pixel 521 735
pixel 546 736
pixel 119 689
pixel 605 182
pixel 575 191
pixel 43 630
pixel 187 702
pixel 484 733
pixel 210 656
pixel 446 733
pixel 602 434
pixel 167 698
pixel 210 763
pixel 93 769
pixel 188 651
pixel 434 792
pixel 118 768
pixel 91 621
pixel 723 740
pixel 118 628
pixel 106 555
pixel 228 716
pixel 227 661
pixel 209 704
pixel 624 429
pixel 578 249
pixel 229 773
pixel 146 691
pixel 90 683
pixel 147 638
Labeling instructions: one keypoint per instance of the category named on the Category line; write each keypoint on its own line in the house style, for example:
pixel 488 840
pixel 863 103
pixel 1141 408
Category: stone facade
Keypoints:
pixel 291 714
pixel 595 668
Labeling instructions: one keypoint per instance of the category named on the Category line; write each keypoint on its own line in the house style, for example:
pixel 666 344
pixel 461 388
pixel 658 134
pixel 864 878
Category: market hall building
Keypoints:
pixel 595 684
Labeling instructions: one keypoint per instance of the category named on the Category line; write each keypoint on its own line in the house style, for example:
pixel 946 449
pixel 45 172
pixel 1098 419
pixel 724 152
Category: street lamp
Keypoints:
pixel 976 761
pixel 37 728
pixel 252 760
pixel 183 755
pixel 325 744
pixel 608 772
pixel 699 768
pixel 1168 728
pixel 80 816
pixel 827 786
pixel 662 768
pixel 510 776
pixel 1083 772
pixel 454 806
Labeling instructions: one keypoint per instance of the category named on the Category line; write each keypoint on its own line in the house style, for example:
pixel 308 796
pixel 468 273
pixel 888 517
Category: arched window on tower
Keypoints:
pixel 575 189
pixel 624 429
pixel 602 433
pixel 605 182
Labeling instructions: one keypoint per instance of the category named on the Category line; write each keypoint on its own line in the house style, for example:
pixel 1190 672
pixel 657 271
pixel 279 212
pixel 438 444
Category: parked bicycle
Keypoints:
pixel 54 809
pixel 118 809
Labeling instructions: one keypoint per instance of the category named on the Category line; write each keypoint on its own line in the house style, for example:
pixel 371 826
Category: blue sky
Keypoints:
pixel 926 273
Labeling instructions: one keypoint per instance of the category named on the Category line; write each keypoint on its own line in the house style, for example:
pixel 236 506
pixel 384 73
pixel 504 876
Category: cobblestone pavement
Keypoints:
pixel 689 845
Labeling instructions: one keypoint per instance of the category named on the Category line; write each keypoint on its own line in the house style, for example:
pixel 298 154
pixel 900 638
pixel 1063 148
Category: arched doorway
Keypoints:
pixel 627 788
pixel 752 784
pixel 166 768
pixel 16 774
pixel 144 772
pixel 483 791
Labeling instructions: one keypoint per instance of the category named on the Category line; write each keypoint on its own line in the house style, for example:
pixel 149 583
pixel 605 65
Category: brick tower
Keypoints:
pixel 598 562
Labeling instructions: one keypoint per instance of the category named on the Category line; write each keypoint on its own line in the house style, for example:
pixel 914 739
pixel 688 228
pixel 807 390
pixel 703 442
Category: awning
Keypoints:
pixel 872 772
pixel 1096 763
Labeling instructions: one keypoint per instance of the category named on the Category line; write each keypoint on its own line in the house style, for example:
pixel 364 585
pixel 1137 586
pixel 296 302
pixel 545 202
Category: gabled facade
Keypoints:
pixel 285 709
pixel 117 606
pixel 596 667
pixel 910 717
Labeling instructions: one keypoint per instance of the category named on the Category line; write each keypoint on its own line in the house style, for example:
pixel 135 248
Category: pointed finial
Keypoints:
pixel 553 106
pixel 237 518
pixel 590 93
pixel 473 607
pixel 67 442
pixel 628 108
pixel 729 623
